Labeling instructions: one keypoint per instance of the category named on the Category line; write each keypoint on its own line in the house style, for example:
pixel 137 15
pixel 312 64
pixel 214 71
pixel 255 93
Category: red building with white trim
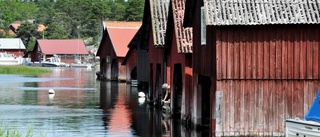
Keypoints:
pixel 112 51
pixel 67 49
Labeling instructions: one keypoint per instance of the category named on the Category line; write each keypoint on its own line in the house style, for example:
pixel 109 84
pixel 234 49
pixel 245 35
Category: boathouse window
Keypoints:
pixel 203 27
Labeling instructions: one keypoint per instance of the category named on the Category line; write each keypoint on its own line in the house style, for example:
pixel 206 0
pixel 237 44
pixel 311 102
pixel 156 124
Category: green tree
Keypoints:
pixel 118 9
pixel 69 19
pixel 11 11
pixel 28 32
pixel 134 11
pixel 55 31
pixel 46 12
pixel 58 28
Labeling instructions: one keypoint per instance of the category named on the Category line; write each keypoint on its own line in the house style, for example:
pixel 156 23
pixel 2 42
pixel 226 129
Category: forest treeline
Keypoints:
pixel 65 19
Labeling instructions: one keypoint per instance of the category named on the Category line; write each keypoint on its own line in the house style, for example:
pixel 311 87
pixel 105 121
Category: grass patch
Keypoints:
pixel 23 70
pixel 6 132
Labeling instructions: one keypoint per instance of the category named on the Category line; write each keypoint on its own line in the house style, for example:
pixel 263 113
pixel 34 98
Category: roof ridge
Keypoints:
pixel 125 27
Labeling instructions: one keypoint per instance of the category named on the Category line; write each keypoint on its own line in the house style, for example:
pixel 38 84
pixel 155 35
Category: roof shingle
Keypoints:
pixel 159 16
pixel 261 12
pixel 183 35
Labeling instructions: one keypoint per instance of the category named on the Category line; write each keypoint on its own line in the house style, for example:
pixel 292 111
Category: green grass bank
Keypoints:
pixel 27 70
pixel 6 132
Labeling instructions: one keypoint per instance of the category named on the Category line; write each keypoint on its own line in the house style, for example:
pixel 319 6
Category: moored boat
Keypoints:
pixel 9 59
pixel 53 62
pixel 79 64
pixel 309 126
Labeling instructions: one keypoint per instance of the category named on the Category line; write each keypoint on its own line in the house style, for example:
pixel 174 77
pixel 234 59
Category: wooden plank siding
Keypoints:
pixel 266 74
pixel 267 53
pixel 260 107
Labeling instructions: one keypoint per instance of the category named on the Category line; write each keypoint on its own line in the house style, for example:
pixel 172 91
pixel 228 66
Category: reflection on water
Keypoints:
pixel 81 106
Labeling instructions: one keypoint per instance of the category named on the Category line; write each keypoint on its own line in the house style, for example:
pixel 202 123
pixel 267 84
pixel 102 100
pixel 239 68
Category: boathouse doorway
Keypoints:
pixel 103 68
pixel 177 90
pixel 205 83
pixel 151 83
pixel 158 85
pixel 114 70
pixel 133 74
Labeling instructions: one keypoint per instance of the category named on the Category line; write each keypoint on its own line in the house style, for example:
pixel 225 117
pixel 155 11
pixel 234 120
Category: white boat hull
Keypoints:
pixel 9 62
pixel 302 128
pixel 77 65
pixel 9 59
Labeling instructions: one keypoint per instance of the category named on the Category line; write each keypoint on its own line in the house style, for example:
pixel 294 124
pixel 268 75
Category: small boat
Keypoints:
pixel 79 64
pixel 309 126
pixel 53 62
pixel 9 59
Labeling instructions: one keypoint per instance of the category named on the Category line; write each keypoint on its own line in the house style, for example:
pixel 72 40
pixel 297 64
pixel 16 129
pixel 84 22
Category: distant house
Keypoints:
pixel 68 50
pixel 15 26
pixel 12 45
pixel 130 60
pixel 112 51
pixel 3 32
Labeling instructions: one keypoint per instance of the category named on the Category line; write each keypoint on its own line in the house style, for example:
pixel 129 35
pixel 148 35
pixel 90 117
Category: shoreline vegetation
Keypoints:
pixel 23 70
pixel 7 132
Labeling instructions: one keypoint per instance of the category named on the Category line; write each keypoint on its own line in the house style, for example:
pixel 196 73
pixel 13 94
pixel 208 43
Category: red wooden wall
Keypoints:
pixel 260 107
pixel 270 52
pixel 16 52
pixel 266 74
pixel 186 64
pixel 131 63
pixel 155 59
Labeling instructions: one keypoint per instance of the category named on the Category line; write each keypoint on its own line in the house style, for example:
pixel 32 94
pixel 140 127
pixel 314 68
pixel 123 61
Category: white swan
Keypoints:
pixel 141 100
pixel 141 94
pixel 51 97
pixel 51 91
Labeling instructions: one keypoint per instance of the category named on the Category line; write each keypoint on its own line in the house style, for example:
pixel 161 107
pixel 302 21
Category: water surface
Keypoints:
pixel 81 106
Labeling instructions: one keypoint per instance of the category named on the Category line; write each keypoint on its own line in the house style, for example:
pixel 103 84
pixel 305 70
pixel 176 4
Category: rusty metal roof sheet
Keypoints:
pixel 260 12
pixel 159 16
pixel 183 35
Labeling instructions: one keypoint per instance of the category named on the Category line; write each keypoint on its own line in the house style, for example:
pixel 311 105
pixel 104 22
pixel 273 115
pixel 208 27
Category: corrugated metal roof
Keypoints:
pixel 259 12
pixel 183 35
pixel 59 46
pixel 120 39
pixel 11 43
pixel 159 16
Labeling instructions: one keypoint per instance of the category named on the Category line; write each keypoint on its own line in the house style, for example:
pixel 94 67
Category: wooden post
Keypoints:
pixel 218 108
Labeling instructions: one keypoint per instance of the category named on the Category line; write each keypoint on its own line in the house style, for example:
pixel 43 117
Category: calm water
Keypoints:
pixel 81 106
